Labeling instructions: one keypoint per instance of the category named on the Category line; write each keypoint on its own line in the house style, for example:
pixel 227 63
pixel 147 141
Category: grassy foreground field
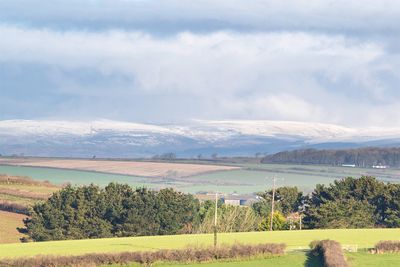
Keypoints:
pixel 301 259
pixel 293 259
pixel 363 238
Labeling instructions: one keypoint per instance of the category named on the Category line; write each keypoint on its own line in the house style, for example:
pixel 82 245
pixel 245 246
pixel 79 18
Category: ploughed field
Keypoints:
pixel 9 221
pixel 134 168
pixel 295 240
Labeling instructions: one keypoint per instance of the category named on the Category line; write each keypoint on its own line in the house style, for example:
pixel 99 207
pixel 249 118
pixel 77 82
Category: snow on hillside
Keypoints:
pixel 207 130
pixel 106 138
pixel 289 128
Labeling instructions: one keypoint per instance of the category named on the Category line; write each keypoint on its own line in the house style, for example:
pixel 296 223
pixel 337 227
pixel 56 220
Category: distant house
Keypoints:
pixel 207 196
pixel 228 199
pixel 235 202
pixel 239 200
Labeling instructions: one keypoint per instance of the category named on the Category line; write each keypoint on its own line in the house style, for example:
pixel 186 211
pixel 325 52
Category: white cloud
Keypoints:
pixel 270 75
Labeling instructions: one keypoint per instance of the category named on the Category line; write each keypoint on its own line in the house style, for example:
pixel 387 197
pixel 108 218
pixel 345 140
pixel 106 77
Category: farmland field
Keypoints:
pixel 8 223
pixel 363 238
pixel 17 194
pixel 60 176
pixel 24 190
pixel 246 178
pixel 135 168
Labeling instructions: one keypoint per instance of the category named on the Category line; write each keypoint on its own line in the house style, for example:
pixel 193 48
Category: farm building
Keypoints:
pixel 228 199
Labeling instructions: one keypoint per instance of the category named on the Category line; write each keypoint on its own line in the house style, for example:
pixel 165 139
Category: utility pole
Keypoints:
pixel 272 203
pixel 215 220
pixel 300 220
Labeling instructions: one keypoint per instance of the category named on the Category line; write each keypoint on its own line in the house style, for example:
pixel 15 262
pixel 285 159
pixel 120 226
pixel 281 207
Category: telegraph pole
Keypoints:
pixel 215 220
pixel 272 203
pixel 300 220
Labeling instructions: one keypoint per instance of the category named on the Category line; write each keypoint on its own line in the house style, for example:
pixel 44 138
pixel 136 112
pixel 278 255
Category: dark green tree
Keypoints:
pixel 287 200
pixel 116 210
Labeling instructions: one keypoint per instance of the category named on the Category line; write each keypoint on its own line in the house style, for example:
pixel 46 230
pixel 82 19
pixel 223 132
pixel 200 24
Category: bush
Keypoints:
pixel 278 222
pixel 387 247
pixel 331 252
pixel 230 218
pixel 190 254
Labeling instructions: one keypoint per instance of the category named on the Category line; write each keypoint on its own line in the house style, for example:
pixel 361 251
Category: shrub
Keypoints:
pixel 387 247
pixel 190 254
pixel 232 218
pixel 331 252
pixel 278 222
pixel 313 244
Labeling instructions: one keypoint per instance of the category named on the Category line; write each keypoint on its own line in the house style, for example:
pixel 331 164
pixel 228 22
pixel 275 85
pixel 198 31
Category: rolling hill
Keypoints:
pixel 105 138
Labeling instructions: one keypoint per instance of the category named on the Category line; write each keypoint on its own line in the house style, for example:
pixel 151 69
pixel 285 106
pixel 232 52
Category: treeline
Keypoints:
pixel 116 210
pixel 119 210
pixel 362 157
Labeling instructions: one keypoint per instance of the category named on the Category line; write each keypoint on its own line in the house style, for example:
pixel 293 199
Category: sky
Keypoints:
pixel 171 61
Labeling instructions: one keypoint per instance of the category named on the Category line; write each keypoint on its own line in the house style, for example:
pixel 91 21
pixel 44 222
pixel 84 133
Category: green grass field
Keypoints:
pixel 363 238
pixel 301 259
pixel 295 259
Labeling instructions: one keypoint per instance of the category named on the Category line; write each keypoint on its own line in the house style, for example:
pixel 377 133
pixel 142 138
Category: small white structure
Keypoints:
pixel 233 202
pixel 380 167
pixel 349 165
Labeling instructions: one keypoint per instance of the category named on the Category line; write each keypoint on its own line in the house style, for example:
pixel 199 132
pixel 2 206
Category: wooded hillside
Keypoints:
pixel 362 157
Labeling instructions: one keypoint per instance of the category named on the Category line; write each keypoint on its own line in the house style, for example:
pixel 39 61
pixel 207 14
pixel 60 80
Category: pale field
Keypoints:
pixel 134 168
pixel 8 227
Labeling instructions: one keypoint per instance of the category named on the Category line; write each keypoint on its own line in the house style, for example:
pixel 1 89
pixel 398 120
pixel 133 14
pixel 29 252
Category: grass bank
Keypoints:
pixel 363 238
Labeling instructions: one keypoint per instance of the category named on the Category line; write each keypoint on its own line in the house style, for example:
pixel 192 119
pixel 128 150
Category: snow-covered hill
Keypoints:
pixel 124 139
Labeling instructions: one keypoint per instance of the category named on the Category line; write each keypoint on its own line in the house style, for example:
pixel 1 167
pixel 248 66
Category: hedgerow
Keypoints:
pixel 331 251
pixel 190 254
pixel 387 247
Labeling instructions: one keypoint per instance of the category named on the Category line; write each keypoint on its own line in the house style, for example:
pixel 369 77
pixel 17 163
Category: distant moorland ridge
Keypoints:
pixel 361 157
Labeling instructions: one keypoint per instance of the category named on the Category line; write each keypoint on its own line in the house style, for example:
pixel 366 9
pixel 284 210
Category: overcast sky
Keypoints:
pixel 171 61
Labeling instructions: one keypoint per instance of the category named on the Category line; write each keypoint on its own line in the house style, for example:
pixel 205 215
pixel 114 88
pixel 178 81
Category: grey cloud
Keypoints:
pixel 171 16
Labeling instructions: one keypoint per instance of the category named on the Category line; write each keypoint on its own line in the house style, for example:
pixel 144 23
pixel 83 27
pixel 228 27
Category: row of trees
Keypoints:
pixel 347 203
pixel 116 210
pixel 119 210
pixel 362 157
